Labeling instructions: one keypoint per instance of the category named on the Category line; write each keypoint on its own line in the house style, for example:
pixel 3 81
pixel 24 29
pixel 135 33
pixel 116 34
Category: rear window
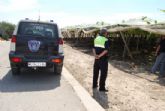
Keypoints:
pixel 38 29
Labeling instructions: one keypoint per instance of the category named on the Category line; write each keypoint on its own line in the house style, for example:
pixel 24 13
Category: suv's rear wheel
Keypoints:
pixel 57 69
pixel 15 71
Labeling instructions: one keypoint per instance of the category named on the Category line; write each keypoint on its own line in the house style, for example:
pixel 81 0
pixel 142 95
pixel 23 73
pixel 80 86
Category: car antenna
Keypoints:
pixel 39 15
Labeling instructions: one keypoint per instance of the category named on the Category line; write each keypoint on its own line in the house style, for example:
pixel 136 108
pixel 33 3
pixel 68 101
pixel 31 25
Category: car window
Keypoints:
pixel 38 29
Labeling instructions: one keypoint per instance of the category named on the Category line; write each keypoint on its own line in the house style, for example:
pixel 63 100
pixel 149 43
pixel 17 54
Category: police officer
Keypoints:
pixel 100 51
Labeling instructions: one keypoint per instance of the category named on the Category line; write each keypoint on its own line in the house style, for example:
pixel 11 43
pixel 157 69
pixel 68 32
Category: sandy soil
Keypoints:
pixel 130 88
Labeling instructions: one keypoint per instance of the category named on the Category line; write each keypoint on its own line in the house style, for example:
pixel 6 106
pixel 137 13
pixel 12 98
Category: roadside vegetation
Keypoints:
pixel 6 30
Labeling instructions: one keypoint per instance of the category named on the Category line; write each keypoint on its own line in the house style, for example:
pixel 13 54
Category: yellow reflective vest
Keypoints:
pixel 100 41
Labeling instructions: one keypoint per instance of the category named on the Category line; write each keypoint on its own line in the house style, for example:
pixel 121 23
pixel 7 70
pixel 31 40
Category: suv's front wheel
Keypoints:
pixel 15 71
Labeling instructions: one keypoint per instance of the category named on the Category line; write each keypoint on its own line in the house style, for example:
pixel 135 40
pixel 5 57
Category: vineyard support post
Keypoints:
pixel 125 43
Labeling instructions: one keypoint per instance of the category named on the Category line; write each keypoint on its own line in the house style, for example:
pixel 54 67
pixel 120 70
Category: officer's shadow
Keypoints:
pixel 101 98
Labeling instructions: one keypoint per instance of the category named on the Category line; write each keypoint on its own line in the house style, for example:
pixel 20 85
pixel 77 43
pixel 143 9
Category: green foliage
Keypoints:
pixel 6 29
pixel 5 36
pixel 162 10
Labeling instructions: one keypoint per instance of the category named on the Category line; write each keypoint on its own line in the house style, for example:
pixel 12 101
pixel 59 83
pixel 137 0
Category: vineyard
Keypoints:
pixel 128 42
pixel 132 53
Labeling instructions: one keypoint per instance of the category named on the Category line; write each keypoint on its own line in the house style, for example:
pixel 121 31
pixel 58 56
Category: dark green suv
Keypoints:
pixel 36 44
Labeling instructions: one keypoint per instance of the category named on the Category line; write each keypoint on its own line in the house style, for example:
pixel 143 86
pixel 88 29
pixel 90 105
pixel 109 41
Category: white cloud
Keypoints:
pixel 29 9
pixel 18 5
pixel 115 18
pixel 68 19
pixel 62 18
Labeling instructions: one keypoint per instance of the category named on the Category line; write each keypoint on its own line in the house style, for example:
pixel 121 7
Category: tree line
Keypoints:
pixel 6 30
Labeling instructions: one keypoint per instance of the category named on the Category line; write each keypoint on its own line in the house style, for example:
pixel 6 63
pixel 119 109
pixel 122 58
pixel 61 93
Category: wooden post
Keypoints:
pixel 125 43
pixel 137 45
pixel 66 34
pixel 125 49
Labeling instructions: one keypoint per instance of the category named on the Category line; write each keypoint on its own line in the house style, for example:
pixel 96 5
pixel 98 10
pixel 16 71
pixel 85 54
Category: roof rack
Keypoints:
pixel 26 18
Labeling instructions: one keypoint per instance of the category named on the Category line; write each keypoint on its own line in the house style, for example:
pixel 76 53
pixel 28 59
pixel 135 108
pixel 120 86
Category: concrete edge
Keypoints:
pixel 89 103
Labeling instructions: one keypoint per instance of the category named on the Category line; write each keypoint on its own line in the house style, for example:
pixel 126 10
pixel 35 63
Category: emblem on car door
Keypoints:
pixel 34 45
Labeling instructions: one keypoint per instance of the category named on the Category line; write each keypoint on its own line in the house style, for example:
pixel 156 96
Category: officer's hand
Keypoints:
pixel 96 57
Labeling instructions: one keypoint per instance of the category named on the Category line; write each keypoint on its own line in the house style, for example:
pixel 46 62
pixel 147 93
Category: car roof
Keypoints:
pixel 34 21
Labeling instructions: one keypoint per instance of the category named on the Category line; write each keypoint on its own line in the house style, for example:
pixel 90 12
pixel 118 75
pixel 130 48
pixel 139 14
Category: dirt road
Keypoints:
pixel 128 90
pixel 33 90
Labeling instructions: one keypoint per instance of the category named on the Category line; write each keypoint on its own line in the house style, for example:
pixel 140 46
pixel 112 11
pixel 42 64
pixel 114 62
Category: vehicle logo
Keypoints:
pixel 34 45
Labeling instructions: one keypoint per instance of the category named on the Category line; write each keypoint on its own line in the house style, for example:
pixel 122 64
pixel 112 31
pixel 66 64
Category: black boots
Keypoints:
pixel 103 89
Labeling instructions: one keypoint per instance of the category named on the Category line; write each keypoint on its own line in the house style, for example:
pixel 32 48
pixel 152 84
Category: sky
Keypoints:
pixel 77 12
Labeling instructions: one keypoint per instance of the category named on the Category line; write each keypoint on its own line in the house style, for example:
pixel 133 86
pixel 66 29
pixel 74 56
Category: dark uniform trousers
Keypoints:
pixel 100 65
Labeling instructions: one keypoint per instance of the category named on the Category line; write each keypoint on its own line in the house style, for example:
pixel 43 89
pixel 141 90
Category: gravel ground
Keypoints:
pixel 129 89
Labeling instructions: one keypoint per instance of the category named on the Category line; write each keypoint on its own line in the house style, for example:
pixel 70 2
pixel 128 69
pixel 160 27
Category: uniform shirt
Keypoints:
pixel 162 46
pixel 99 50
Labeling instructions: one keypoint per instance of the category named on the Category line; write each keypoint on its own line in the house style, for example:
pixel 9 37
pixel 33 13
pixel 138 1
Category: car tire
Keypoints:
pixel 57 70
pixel 15 71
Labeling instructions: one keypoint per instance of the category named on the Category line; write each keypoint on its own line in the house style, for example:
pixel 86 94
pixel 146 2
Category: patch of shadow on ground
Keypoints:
pixel 29 80
pixel 127 66
pixel 142 71
pixel 101 98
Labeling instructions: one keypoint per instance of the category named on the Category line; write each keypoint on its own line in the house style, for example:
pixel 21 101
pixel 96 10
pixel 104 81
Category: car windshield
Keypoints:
pixel 38 29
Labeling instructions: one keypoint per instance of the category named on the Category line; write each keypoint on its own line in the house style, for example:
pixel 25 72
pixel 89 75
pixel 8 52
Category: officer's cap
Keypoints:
pixel 103 31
